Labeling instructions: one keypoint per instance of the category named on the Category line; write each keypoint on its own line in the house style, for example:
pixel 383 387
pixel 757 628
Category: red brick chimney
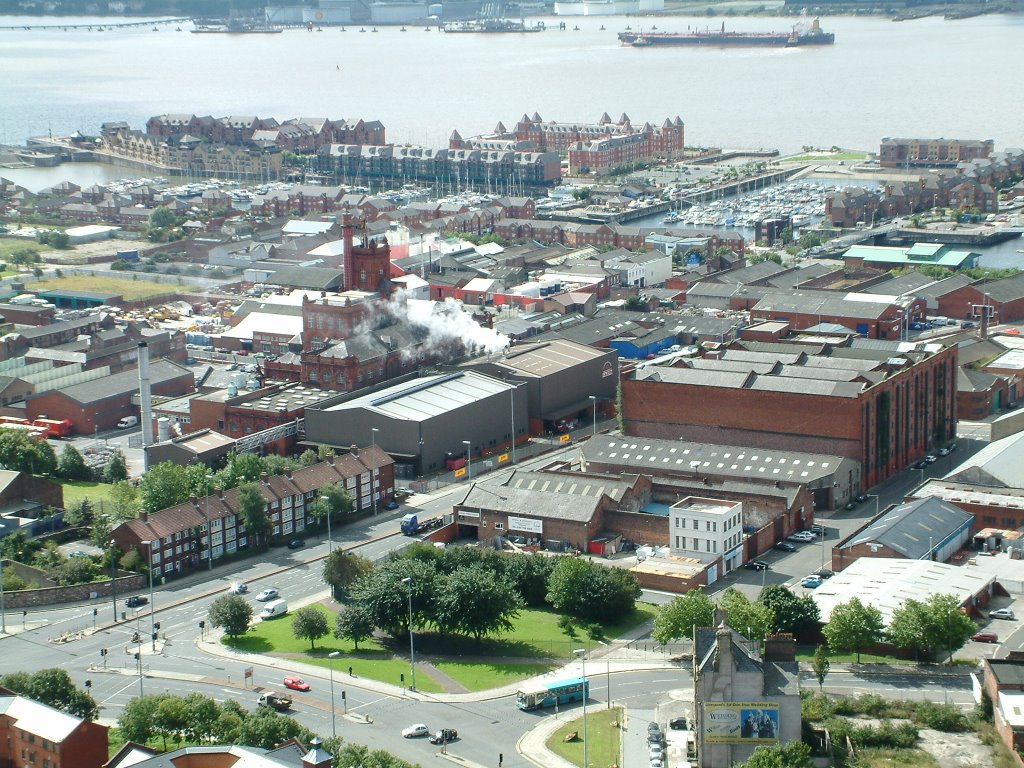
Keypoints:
pixel 264 478
pixel 317 757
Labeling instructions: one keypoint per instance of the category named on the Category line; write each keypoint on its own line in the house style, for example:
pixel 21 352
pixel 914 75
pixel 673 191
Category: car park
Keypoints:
pixel 1002 613
pixel 985 637
pixel 811 582
pixel 269 593
pixel 756 565
pixel 443 736
pixel 415 731
pixel 238 588
pixel 296 684
pixel 136 600
pixel 783 546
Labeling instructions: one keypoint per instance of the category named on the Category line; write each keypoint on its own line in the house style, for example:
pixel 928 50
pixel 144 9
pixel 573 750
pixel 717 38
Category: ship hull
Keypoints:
pixel 711 39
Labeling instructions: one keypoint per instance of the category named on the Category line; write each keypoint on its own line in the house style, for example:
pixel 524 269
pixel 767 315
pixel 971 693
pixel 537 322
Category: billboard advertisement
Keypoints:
pixel 743 722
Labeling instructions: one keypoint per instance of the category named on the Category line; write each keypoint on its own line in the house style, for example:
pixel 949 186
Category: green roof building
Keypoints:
pixel 917 255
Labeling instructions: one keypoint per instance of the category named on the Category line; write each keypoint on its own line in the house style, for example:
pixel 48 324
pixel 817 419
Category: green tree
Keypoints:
pixel 529 575
pixel 60 240
pixel 310 623
pixel 116 469
pixel 53 687
pixel 24 256
pixel 821 665
pixel 231 612
pixel 21 453
pixel 72 466
pixel 163 485
pixel 751 619
pixel 308 458
pixel 677 619
pixel 266 729
pixel 854 626
pixel 354 623
pixel 477 601
pixel 342 569
pixel 136 722
pixel 12 581
pixel 793 754
pixel 591 592
pixel 797 615
pixel 339 501
pixel 635 304
pixel 76 570
pixel 102 525
pixel 932 625
pixel 201 713
pixel 170 720
pixel 123 502
pixel 383 594
pixel 252 508
pixel 78 513
pixel 246 467
pixel 162 218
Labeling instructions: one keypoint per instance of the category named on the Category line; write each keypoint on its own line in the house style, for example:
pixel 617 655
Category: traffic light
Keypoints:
pixel 154 637
pixel 501 759
pixel 156 627
pixel 136 655
pixel 202 625
pixel 88 684
pixel 103 651
pixel 402 676
pixel 342 695
pixel 95 612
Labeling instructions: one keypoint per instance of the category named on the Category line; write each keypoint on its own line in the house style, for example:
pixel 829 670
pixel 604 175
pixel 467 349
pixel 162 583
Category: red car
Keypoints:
pixel 296 684
pixel 985 637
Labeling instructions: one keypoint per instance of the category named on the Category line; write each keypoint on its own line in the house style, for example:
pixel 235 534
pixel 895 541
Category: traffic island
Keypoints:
pixel 603 739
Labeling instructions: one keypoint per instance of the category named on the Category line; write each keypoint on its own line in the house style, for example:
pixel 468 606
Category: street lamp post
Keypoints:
pixel 152 605
pixel 209 526
pixel 332 656
pixel 412 645
pixel 373 446
pixel 582 654
pixel 593 403
pixel 512 412
pixel 113 578
pixel 469 461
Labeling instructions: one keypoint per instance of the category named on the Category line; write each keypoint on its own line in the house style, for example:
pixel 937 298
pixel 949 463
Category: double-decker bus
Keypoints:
pixel 548 693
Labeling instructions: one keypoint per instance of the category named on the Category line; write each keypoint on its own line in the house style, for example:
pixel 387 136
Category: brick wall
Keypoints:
pixel 640 527
pixel 77 593
pixel 846 556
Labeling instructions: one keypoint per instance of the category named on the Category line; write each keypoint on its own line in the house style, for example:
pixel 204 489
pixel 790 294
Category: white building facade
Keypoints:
pixel 706 529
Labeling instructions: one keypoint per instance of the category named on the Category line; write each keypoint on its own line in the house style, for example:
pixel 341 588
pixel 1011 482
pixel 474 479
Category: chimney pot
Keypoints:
pixel 264 477
pixel 354 450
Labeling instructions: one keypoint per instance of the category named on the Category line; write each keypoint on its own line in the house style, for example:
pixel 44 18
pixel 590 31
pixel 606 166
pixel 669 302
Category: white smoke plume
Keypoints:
pixel 447 324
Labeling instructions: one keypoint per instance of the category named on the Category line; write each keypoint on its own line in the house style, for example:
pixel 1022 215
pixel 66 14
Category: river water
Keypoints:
pixel 927 77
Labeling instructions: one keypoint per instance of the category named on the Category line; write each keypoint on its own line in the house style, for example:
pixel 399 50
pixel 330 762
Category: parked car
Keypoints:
pixel 444 736
pixel 239 588
pixel 985 637
pixel 824 573
pixel 677 724
pixel 944 451
pixel 931 458
pixel 811 582
pixel 136 600
pixel 783 546
pixel 296 544
pixel 804 536
pixel 296 684
pixel 850 505
pixel 967 324
pixel 1002 613
pixel 862 498
pixel 921 464
pixel 415 731
pixel 817 530
pixel 391 505
pixel 269 593
pixel 754 565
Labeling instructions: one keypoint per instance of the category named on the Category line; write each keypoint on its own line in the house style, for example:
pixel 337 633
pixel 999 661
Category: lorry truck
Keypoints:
pixel 412 526
pixel 274 700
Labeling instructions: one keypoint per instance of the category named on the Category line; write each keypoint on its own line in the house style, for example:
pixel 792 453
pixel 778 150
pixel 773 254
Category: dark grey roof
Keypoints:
pixel 968 380
pixel 1008 289
pixel 792 278
pixel 314 278
pixel 1007 671
pixel 122 383
pixel 707 641
pixel 911 282
pixel 532 503
pixel 909 528
pixel 748 275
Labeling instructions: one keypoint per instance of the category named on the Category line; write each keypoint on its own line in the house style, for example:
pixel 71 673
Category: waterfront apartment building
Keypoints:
pixel 590 147
pixel 931 153
pixel 879 403
pixel 297 134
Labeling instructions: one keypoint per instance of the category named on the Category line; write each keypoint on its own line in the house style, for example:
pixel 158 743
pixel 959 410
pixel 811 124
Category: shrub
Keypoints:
pixel 567 625
pixel 940 717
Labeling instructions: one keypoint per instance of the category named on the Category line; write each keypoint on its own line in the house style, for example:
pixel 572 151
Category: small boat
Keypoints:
pixel 343 29
pixel 363 29
pixel 602 27
pixel 374 29
pixel 177 29
pixel 155 29
pixel 402 29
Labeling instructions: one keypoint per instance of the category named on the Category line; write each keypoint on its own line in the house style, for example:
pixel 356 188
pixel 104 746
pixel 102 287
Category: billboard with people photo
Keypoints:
pixel 740 722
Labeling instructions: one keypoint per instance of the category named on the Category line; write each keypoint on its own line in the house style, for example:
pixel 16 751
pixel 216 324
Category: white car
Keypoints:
pixel 805 536
pixel 1002 613
pixel 238 588
pixel 270 593
pixel 414 731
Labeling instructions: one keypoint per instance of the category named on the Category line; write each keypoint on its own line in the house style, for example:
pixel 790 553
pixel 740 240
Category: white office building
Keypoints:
pixel 707 529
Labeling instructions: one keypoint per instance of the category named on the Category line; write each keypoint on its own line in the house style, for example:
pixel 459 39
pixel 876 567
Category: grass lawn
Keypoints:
pixel 10 244
pixel 76 490
pixel 535 633
pixel 372 660
pixel 482 676
pixel 603 739
pixel 132 290
pixel 894 758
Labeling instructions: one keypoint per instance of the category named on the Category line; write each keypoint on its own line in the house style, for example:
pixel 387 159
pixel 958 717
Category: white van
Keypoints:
pixel 273 609
pixel 128 421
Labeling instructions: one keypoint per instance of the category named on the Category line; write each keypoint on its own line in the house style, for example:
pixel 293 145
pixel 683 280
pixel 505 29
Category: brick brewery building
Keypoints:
pixel 880 403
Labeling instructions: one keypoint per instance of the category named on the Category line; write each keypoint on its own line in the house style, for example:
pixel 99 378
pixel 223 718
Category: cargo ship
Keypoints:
pixel 793 39
pixel 234 27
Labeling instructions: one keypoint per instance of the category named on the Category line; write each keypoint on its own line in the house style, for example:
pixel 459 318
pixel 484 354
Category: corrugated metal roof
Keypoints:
pixel 428 397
